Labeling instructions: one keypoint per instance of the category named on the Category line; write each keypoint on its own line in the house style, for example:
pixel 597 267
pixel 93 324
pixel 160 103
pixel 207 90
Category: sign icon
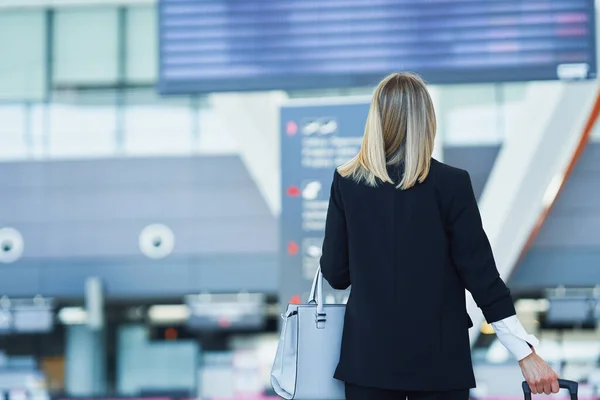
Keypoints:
pixel 291 128
pixel 293 248
pixel 310 127
pixel 293 191
pixel 311 190
pixel 313 247
pixel 328 126
pixel 321 126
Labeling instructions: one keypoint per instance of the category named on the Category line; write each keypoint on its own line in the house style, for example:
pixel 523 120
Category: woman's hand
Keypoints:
pixel 538 374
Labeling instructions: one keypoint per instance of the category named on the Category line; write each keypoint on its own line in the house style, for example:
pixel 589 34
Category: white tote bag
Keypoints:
pixel 309 349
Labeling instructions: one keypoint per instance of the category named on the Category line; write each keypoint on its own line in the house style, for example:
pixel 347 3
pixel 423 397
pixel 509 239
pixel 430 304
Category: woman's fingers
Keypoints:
pixel 548 385
pixel 532 387
pixel 555 385
pixel 539 386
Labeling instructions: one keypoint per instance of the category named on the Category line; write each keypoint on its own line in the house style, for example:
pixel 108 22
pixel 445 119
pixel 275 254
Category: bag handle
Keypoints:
pixel 563 383
pixel 316 298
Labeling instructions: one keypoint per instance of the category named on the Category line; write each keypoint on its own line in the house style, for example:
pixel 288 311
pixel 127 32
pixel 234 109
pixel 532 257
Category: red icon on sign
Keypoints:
pixel 293 248
pixel 291 128
pixel 293 191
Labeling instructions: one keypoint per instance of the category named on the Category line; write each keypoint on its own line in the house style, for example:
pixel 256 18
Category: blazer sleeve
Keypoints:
pixel 334 258
pixel 472 254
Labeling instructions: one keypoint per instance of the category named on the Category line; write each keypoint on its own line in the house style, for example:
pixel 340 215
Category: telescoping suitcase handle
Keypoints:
pixel 563 383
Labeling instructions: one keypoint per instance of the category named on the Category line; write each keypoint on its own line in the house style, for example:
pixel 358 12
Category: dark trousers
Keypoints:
pixel 364 393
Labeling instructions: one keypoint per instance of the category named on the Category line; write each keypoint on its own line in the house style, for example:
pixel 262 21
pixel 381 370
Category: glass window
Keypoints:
pixel 211 137
pixel 142 45
pixel 513 103
pixel 82 124
pixel 38 126
pixel 469 115
pixel 86 46
pixel 154 125
pixel 22 60
pixel 13 130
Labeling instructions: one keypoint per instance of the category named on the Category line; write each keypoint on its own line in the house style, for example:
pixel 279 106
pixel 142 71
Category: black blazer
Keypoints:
pixel 409 256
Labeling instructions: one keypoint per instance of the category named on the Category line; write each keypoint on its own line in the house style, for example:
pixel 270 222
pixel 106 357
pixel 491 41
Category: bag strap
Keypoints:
pixel 316 298
pixel 312 296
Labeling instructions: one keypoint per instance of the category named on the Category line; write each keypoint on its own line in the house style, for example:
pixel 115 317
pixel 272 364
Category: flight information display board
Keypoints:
pixel 315 139
pixel 224 45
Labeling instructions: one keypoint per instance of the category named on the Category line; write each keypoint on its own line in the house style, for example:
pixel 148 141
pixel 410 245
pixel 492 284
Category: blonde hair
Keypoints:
pixel 400 128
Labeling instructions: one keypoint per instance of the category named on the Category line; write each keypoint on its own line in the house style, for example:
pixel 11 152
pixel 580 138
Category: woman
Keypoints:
pixel 404 230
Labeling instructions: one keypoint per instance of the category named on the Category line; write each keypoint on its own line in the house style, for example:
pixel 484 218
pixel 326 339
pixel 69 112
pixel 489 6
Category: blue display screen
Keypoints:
pixel 224 45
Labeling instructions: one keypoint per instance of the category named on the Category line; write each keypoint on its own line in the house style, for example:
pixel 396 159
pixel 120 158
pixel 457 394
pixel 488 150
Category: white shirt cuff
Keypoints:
pixel 514 337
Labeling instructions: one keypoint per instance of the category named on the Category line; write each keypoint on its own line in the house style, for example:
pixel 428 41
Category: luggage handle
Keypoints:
pixel 563 383
pixel 316 297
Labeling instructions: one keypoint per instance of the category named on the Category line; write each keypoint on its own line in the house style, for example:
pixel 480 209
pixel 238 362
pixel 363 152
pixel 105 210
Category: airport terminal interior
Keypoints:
pixel 165 168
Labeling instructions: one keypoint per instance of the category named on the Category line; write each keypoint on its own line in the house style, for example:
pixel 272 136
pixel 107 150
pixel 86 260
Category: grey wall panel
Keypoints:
pixel 574 221
pixel 569 231
pixel 567 249
pixel 122 172
pixel 477 160
pixel 589 161
pixel 228 236
pixel 134 202
pixel 140 277
pixel 580 195
pixel 15 281
pixel 83 218
pixel 256 274
pixel 98 208
pixel 550 268
pixel 132 278
pixel 119 237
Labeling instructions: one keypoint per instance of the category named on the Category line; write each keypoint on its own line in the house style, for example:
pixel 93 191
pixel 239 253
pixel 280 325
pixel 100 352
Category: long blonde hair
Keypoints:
pixel 400 128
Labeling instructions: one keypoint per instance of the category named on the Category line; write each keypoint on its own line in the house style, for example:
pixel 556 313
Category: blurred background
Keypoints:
pixel 165 170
